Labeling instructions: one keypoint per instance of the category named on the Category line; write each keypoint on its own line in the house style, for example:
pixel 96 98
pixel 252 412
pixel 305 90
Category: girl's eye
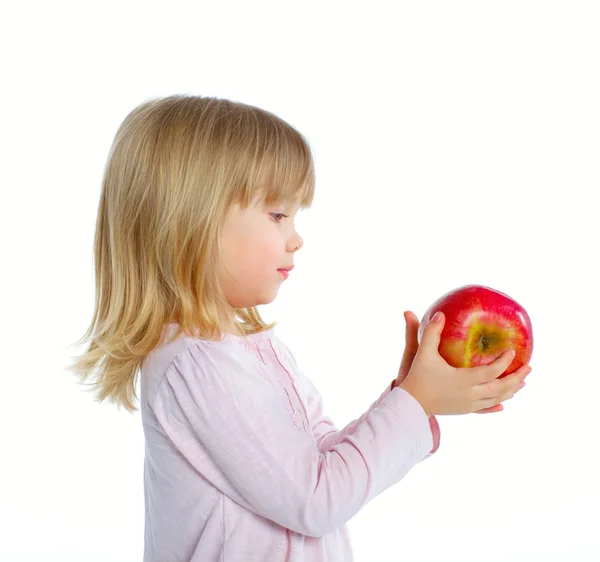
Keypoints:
pixel 278 215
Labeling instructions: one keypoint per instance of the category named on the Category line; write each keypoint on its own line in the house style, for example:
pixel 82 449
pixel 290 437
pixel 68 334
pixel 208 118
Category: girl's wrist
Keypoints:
pixel 421 402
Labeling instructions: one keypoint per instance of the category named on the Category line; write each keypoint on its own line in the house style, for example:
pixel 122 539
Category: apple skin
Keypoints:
pixel 481 324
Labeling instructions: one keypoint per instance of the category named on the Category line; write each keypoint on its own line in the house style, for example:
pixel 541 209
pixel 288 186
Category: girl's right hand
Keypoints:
pixel 443 389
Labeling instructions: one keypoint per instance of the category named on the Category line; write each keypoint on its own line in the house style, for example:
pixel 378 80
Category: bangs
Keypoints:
pixel 284 172
pixel 290 184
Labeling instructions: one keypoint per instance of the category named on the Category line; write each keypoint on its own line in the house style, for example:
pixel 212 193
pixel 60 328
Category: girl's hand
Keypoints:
pixel 410 350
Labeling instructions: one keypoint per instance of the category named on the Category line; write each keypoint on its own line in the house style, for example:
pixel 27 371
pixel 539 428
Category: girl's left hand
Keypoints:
pixel 410 350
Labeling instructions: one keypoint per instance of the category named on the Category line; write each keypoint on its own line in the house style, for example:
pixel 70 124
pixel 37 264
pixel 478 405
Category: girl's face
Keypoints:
pixel 255 243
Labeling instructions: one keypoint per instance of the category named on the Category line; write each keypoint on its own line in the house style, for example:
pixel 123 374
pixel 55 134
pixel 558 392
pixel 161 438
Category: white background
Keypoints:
pixel 455 142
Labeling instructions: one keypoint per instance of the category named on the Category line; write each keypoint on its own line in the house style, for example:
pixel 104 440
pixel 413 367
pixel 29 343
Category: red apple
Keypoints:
pixel 481 324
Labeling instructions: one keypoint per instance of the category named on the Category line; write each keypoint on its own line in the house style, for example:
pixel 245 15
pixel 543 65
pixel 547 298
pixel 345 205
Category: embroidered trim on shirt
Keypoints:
pixel 293 381
pixel 296 416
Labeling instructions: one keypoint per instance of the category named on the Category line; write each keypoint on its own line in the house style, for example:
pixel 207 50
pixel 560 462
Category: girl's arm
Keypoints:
pixel 229 423
pixel 324 430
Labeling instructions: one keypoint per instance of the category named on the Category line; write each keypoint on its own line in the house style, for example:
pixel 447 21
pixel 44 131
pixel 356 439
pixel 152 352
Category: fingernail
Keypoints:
pixel 521 385
pixel 437 317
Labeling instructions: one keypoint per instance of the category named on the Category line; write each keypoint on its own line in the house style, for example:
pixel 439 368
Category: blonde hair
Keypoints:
pixel 176 166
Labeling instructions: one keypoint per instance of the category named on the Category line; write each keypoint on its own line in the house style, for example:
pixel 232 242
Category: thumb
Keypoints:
pixel 412 327
pixel 410 347
pixel 432 332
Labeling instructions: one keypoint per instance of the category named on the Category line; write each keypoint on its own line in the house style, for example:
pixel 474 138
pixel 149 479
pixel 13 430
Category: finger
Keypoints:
pixel 411 346
pixel 512 382
pixel 412 328
pixel 501 388
pixel 491 410
pixel 487 403
pixel 432 332
pixel 493 370
pixel 493 404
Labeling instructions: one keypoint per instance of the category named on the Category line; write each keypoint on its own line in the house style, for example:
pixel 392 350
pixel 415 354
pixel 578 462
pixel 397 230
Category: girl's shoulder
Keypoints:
pixel 231 345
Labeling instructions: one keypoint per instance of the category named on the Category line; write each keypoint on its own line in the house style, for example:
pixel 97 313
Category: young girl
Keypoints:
pixel 194 231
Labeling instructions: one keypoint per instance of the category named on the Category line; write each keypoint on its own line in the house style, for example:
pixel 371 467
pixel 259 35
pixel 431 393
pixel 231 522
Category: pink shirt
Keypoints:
pixel 241 464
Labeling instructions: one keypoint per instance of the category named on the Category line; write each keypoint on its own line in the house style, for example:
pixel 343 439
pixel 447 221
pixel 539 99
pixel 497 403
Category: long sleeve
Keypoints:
pixel 228 422
pixel 326 433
